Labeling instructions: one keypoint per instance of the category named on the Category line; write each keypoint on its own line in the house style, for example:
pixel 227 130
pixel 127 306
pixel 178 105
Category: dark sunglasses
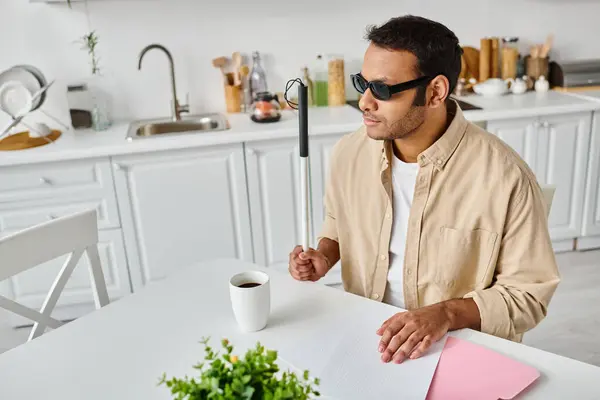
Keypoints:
pixel 381 91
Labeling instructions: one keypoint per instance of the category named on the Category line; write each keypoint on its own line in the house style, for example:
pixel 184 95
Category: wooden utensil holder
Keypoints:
pixel 233 98
pixel 536 67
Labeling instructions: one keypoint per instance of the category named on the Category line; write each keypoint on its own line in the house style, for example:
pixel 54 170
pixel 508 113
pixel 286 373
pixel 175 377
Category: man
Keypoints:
pixel 425 210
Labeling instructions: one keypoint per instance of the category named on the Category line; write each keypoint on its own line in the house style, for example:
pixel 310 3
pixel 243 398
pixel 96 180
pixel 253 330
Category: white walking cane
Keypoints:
pixel 303 125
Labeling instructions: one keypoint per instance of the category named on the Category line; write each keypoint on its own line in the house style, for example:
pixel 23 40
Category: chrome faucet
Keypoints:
pixel 176 108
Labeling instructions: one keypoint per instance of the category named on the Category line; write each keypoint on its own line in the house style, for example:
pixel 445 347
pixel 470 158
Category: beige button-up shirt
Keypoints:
pixel 477 226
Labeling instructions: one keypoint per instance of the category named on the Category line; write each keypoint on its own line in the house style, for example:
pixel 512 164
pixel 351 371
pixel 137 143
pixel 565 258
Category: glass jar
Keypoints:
pixel 336 90
pixel 101 118
pixel 510 57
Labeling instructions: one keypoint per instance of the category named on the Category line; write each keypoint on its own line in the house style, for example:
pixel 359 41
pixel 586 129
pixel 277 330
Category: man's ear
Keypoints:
pixel 439 90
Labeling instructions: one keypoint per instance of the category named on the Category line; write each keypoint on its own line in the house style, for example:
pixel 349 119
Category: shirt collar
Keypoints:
pixel 441 150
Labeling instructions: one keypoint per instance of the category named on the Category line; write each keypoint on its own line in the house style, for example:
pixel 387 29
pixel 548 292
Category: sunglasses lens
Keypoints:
pixel 380 90
pixel 360 84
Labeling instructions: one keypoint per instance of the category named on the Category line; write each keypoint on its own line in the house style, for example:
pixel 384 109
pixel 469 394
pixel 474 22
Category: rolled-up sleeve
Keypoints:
pixel 526 273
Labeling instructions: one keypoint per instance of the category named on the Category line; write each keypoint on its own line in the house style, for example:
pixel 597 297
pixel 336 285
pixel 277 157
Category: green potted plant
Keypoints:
pixel 228 377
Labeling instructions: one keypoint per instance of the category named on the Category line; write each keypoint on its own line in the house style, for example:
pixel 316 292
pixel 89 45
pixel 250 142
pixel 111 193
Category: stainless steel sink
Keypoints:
pixel 189 124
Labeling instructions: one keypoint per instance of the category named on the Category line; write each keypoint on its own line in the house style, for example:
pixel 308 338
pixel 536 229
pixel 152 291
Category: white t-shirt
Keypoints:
pixel 404 177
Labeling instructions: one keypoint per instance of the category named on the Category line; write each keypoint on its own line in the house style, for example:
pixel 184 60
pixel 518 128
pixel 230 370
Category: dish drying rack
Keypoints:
pixel 16 120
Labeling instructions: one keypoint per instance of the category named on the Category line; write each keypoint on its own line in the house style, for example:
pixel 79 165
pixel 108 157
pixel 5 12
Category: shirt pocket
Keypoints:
pixel 465 259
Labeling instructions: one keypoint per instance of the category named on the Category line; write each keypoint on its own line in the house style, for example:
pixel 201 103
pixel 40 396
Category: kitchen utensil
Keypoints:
pixel 221 63
pixel 536 67
pixel 547 46
pixel 266 108
pixel 246 94
pixel 495 58
pixel 541 84
pixel 25 76
pixel 250 295
pixel 237 60
pixel 471 58
pixel 485 59
pixel 233 98
pixel 40 78
pixel 491 88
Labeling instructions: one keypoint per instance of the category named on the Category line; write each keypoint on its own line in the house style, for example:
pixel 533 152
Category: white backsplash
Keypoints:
pixel 195 31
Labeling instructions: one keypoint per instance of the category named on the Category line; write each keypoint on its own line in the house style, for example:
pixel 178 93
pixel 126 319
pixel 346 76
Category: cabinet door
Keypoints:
pixel 563 143
pixel 591 211
pixel 520 134
pixel 31 287
pixel 320 158
pixel 273 169
pixel 179 208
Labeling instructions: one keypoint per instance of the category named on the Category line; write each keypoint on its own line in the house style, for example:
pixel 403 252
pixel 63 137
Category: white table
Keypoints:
pixel 120 351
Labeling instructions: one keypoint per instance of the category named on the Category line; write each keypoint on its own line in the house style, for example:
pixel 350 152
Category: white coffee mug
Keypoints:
pixel 250 299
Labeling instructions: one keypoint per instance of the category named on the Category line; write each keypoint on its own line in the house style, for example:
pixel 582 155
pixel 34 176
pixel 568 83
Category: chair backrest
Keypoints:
pixel 74 235
pixel 548 192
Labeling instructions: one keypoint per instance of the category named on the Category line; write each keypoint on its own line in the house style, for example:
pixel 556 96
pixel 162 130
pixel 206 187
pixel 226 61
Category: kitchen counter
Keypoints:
pixel 89 144
pixel 526 105
pixel 322 121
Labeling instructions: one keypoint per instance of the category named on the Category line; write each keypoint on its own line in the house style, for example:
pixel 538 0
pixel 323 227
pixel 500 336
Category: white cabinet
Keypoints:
pixel 320 159
pixel 31 287
pixel 563 147
pixel 182 207
pixel 273 184
pixel 556 149
pixel 520 134
pixel 591 209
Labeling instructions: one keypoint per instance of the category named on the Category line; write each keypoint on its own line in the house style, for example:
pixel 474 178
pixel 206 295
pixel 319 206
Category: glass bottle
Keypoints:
pixel 320 82
pixel 258 77
pixel 309 84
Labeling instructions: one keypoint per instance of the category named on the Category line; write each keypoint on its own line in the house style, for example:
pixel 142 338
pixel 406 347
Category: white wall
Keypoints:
pixel 290 36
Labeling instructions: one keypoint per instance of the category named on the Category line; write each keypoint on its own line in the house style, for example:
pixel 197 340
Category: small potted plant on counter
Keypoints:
pixel 256 376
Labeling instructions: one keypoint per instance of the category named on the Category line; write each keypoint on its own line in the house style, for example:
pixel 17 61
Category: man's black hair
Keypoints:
pixel 436 47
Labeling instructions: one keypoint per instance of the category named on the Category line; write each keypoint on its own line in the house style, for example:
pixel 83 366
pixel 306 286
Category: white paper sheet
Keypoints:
pixel 374 379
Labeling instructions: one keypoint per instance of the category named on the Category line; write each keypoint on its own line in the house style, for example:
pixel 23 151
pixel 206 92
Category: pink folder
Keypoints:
pixel 469 371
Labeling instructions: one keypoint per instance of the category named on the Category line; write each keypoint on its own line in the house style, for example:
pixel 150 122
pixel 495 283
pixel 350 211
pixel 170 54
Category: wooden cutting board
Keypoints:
pixel 22 140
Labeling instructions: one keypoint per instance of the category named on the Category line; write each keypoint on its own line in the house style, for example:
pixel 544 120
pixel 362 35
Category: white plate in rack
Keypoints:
pixel 26 77
pixel 15 98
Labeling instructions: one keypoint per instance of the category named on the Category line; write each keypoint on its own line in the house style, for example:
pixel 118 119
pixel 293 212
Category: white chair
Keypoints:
pixel 73 235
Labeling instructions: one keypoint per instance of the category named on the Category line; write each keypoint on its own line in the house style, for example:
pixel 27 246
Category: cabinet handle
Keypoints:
pixel 250 152
pixel 45 181
pixel 118 167
pixel 536 124
pixel 545 124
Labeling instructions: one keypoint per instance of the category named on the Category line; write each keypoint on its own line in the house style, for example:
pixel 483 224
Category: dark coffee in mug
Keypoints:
pixel 249 285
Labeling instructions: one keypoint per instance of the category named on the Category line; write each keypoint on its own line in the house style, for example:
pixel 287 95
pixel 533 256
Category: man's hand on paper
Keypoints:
pixel 310 265
pixel 411 333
